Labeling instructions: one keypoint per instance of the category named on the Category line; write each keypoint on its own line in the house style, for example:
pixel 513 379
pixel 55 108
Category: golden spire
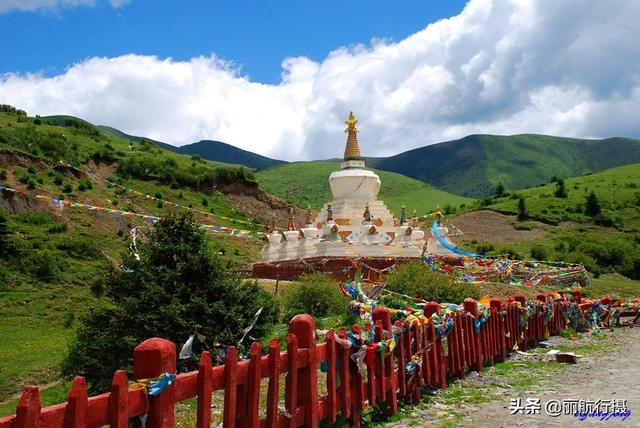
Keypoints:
pixel 352 150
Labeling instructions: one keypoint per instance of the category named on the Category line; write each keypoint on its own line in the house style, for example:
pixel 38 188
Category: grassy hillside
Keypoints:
pixel 53 260
pixel 617 190
pixel 306 183
pixel 561 228
pixel 474 165
pixel 215 151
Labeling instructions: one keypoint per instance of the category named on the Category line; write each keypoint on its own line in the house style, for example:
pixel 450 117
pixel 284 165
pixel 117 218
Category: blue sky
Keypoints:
pixel 255 35
pixel 279 78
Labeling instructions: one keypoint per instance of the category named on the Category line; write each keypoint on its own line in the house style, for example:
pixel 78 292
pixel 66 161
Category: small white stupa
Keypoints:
pixel 354 224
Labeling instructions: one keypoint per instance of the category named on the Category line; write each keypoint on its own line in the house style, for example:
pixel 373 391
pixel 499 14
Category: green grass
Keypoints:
pixel 306 183
pixel 55 255
pixel 617 189
pixel 474 165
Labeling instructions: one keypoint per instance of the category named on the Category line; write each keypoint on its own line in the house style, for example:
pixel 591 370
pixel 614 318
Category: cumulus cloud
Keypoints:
pixel 34 5
pixel 564 68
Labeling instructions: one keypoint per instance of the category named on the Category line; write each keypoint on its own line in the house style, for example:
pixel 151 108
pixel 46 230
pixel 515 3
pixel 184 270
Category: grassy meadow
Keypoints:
pixel 306 183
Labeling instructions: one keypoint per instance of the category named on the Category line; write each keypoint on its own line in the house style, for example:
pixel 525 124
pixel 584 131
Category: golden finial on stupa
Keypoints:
pixel 351 123
pixel 309 216
pixel 352 150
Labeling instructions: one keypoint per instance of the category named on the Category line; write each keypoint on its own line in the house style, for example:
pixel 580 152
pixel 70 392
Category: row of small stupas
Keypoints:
pixel 354 224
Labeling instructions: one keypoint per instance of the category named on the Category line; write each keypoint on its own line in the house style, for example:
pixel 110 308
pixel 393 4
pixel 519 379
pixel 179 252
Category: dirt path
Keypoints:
pixel 610 373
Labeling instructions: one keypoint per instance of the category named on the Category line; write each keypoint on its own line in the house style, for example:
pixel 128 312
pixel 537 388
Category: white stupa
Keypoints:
pixel 354 224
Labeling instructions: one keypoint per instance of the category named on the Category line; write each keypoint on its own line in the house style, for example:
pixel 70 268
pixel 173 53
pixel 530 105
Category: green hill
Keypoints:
pixel 215 151
pixel 53 259
pixel 617 190
pixel 222 152
pixel 306 183
pixel 474 165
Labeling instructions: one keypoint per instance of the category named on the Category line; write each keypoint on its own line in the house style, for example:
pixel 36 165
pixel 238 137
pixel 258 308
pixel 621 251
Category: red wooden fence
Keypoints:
pixel 420 358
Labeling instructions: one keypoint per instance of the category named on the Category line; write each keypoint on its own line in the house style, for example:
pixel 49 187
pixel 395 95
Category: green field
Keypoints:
pixel 306 183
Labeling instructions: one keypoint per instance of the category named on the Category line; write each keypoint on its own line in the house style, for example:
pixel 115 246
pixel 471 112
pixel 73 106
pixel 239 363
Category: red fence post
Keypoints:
pixel 119 401
pixel 230 387
pixel 150 359
pixel 28 410
pixel 523 338
pixel 304 328
pixel 205 387
pixel 496 305
pixel 75 414
pixel 383 315
pixel 471 306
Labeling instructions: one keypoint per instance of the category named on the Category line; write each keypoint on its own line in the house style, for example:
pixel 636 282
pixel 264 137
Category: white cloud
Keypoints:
pixel 566 68
pixel 34 5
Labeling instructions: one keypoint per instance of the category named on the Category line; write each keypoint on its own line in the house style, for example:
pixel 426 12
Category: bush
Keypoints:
pixel 175 289
pixel 33 218
pixel 80 248
pixel 314 294
pixel 415 279
pixel 44 264
pixel 539 253
pixel 603 220
pixel 587 261
pixel 57 228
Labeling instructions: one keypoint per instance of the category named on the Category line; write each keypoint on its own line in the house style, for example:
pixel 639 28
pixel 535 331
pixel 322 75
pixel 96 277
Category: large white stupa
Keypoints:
pixel 355 225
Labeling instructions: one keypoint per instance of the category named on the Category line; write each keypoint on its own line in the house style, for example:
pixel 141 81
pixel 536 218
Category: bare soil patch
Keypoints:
pixel 487 225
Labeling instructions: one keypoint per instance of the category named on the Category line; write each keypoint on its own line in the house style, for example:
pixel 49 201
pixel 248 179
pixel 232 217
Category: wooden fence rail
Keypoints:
pixel 356 376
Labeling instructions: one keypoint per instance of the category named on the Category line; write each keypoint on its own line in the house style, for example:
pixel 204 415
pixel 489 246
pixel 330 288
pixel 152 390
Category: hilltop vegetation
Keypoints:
pixel 474 165
pixel 593 219
pixel 306 183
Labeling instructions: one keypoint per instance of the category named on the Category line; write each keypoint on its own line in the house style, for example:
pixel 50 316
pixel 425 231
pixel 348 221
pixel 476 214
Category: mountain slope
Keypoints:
pixel 474 165
pixel 223 152
pixel 216 151
pixel 306 183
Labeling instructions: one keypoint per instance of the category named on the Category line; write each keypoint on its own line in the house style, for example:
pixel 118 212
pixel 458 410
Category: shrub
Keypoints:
pixel 587 261
pixel 84 185
pixel 97 287
pixel 539 253
pixel 57 228
pixel 415 279
pixel 485 247
pixel 80 248
pixel 603 220
pixel 314 294
pixel 33 218
pixel 67 188
pixel 43 264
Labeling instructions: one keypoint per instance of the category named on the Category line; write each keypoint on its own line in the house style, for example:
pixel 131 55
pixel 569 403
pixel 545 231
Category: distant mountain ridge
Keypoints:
pixel 207 149
pixel 223 152
pixel 472 166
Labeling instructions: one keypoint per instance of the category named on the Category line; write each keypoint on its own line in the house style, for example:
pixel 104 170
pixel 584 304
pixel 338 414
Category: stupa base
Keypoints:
pixel 339 268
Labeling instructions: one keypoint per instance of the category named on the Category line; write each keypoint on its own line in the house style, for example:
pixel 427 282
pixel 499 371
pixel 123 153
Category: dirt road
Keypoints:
pixel 612 373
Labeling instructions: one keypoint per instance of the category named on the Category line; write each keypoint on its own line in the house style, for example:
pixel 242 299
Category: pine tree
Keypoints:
pixel 561 189
pixel 592 205
pixel 500 190
pixel 522 209
pixel 175 288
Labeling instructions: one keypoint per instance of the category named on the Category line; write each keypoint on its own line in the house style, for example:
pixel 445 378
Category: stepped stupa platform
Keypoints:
pixel 354 230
